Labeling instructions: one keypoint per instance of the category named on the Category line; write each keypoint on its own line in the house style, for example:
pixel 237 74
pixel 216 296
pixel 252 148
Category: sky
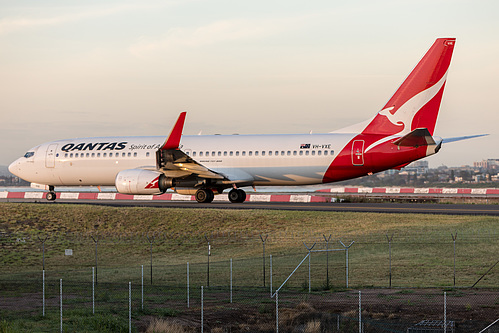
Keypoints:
pixel 107 68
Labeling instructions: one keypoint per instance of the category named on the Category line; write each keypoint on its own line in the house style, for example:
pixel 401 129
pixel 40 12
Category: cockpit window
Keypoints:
pixel 29 154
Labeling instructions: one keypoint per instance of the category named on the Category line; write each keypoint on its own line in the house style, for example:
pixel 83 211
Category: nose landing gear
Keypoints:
pixel 50 196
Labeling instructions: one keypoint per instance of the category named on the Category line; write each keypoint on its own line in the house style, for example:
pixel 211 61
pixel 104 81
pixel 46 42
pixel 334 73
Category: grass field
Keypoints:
pixel 422 247
pixel 422 256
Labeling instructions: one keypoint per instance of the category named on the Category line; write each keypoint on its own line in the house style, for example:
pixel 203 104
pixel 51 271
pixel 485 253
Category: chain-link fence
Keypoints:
pixel 105 290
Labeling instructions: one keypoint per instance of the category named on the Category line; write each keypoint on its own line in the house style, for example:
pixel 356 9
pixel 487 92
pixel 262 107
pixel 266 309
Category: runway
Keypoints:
pixel 400 208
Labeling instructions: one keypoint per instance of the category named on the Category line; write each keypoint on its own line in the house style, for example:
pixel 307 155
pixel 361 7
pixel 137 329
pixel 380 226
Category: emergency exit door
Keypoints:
pixel 358 152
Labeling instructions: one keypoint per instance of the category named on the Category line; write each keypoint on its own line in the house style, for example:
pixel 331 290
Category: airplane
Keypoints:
pixel 205 165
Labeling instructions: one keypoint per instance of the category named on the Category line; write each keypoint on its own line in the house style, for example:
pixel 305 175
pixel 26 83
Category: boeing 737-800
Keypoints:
pixel 206 165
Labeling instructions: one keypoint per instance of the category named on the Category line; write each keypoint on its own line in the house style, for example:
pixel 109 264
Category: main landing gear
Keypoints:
pixel 237 195
pixel 50 196
pixel 206 195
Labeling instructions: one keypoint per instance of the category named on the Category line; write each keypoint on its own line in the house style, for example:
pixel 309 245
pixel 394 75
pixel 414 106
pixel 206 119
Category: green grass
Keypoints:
pixel 422 248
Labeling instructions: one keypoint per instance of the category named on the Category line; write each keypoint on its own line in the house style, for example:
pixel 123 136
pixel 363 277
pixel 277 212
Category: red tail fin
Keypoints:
pixel 416 102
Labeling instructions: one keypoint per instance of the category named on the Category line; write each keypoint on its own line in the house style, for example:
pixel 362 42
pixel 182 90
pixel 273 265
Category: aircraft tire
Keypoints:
pixel 204 195
pixel 50 196
pixel 237 196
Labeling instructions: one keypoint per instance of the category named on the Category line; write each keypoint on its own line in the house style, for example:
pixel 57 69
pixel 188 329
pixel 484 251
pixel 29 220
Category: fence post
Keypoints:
pixel 61 301
pixel 202 308
pixel 309 276
pixel 43 293
pixel 390 256
pixel 346 255
pixel 93 290
pixel 208 269
pixel 130 307
pixel 188 305
pixel 270 275
pixel 151 240
pixel 454 238
pixel 360 313
pixel 445 312
pixel 96 241
pixel 277 312
pixel 264 240
pixel 327 259
pixel 231 280
pixel 142 287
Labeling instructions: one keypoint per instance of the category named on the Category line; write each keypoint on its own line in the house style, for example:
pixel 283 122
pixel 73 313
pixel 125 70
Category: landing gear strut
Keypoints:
pixel 50 196
pixel 237 196
pixel 204 195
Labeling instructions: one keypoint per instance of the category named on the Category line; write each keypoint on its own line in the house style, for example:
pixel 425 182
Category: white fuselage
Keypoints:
pixel 266 159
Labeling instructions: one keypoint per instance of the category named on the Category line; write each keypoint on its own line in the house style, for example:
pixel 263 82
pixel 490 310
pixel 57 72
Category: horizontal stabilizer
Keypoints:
pixel 416 138
pixel 459 138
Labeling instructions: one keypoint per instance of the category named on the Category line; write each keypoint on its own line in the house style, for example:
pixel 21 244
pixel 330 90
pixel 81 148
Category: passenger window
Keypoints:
pixel 66 155
pixel 135 154
pixel 301 152
pixel 313 152
pixel 225 153
pixel 212 153
pixel 270 152
pixel 129 154
pixel 250 153
pixel 277 153
pixel 325 152
pixel 93 154
pixel 237 153
pixel 219 153
pixel 256 153
pixel 147 154
pixel 193 153
pixel 207 154
pixel 122 154
pixel 289 153
pixel 282 153
pixel 57 155
pixel 88 154
pixel 263 153
pixel 201 153
pixel 319 153
pixel 332 152
pixel 71 155
pixel 231 153
pixel 104 154
pixel 294 152
pixel 76 154
pixel 307 153
pixel 244 153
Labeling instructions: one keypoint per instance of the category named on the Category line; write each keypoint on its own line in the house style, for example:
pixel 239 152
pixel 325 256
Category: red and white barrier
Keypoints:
pixel 297 198
pixel 406 190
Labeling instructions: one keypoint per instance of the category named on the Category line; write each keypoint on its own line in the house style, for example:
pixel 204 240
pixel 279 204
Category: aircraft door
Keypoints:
pixel 358 152
pixel 50 156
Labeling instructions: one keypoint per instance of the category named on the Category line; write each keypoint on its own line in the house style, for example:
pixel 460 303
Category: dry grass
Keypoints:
pixel 313 327
pixel 165 326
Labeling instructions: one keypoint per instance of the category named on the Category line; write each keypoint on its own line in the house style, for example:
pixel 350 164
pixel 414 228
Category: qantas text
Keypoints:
pixel 95 146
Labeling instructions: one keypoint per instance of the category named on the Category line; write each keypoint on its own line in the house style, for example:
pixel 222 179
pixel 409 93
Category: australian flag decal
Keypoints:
pixel 305 146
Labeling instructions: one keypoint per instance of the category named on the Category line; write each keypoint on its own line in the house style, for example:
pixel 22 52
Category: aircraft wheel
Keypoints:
pixel 237 196
pixel 50 196
pixel 204 195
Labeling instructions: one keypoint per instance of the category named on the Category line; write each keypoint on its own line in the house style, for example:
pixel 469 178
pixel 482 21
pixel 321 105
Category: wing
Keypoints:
pixel 174 163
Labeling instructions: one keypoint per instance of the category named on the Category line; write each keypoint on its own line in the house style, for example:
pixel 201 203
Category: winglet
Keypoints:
pixel 173 140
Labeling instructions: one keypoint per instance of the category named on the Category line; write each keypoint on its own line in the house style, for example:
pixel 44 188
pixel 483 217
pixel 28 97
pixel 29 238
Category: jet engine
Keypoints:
pixel 139 181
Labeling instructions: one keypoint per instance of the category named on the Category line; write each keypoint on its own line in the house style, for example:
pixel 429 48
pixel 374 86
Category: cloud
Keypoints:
pixel 213 33
pixel 12 24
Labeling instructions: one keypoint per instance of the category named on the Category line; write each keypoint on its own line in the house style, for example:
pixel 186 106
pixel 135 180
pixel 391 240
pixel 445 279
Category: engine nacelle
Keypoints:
pixel 138 181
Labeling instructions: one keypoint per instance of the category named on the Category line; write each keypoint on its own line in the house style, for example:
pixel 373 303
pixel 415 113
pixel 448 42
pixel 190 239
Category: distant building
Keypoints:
pixel 419 167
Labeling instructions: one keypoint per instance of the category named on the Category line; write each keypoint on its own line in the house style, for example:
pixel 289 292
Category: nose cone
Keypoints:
pixel 14 168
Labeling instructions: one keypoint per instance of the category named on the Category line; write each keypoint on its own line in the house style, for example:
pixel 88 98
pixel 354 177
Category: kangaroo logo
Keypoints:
pixel 405 114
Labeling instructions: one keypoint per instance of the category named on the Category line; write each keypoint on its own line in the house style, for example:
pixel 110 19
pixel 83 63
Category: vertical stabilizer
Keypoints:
pixel 416 102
